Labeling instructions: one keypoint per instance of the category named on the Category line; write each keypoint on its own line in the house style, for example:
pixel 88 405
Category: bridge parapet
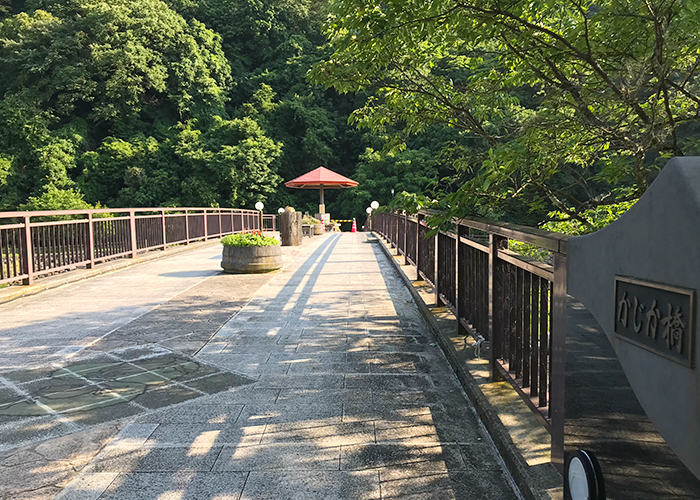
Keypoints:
pixel 36 243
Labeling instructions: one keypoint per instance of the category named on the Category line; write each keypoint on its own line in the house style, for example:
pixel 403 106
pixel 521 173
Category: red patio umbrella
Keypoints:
pixel 321 178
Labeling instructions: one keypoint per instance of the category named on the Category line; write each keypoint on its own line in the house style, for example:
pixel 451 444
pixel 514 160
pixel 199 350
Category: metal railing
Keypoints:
pixel 516 304
pixel 33 244
pixel 269 222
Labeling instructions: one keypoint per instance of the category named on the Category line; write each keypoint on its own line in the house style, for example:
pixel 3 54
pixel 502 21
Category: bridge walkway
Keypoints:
pixel 172 380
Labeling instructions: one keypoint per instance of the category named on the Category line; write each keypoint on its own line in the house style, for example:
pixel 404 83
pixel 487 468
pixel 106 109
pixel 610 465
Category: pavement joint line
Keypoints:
pixel 51 412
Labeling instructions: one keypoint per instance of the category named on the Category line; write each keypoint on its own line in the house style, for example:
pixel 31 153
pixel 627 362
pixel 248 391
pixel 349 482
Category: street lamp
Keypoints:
pixel 259 207
pixel 371 208
pixel 280 210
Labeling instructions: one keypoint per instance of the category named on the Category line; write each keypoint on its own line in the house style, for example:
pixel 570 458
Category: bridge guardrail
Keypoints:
pixel 517 305
pixel 36 243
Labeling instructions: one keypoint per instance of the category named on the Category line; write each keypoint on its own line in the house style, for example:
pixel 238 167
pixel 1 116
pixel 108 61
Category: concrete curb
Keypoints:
pixel 42 284
pixel 532 486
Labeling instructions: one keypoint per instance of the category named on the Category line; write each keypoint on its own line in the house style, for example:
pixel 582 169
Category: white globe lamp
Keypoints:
pixel 374 205
pixel 259 206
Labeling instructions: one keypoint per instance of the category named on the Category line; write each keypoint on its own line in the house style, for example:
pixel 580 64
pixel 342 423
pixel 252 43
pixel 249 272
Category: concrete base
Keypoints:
pixel 243 260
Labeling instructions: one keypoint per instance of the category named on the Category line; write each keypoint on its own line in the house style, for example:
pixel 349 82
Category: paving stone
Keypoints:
pixel 194 412
pixel 218 382
pixel 407 484
pixel 329 368
pixel 322 396
pixel 177 486
pixel 280 456
pixel 88 486
pixel 308 357
pixel 155 459
pixel 206 434
pixel 322 485
pixel 382 382
pixel 336 434
pixel 166 396
pixel 25 431
pixel 301 381
pixel 98 415
pixel 438 458
pixel 244 394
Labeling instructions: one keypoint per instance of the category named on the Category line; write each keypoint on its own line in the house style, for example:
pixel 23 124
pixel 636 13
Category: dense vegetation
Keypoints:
pixel 530 112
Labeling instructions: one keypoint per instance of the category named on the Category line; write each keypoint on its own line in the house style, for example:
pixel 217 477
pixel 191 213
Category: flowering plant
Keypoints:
pixel 254 239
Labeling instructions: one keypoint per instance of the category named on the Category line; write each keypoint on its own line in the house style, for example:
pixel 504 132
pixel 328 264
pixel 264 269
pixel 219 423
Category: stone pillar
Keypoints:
pixel 290 228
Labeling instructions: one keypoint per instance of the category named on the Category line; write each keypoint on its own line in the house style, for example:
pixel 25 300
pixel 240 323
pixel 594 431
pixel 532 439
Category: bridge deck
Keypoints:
pixel 325 384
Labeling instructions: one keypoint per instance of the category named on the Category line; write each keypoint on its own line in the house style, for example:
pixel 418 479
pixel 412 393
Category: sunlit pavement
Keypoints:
pixel 325 385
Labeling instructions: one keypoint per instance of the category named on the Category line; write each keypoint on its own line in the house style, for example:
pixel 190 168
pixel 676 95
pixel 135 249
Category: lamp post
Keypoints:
pixel 369 215
pixel 259 207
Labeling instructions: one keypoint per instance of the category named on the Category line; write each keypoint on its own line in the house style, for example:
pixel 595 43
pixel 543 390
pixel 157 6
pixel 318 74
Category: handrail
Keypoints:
pixel 516 305
pixel 29 248
pixel 48 213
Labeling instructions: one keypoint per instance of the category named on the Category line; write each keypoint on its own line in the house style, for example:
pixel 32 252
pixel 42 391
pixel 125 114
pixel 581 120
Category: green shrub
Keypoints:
pixel 255 239
pixel 310 220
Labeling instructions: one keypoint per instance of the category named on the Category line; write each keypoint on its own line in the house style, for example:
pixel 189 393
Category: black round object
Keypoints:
pixel 583 479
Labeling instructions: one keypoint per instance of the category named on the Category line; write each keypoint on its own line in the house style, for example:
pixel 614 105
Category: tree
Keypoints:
pixel 123 100
pixel 569 102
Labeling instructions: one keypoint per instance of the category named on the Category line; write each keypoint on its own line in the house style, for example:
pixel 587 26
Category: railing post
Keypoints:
pixel 206 230
pixel 28 256
pixel 495 305
pixel 165 238
pixel 436 276
pixel 132 230
pixel 221 233
pixel 459 284
pixel 405 238
pixel 187 228
pixel 91 242
pixel 558 369
pixel 419 219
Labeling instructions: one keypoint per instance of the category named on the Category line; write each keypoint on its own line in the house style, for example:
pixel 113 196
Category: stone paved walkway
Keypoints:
pixel 342 395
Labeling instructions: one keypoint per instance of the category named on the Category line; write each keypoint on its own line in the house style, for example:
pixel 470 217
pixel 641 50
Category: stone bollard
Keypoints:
pixel 290 228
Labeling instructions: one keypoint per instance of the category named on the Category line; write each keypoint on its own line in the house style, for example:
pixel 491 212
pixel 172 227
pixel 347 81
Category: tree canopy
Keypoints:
pixel 572 104
pixel 527 112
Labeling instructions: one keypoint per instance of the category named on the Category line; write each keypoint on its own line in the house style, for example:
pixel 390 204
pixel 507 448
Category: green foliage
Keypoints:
pixel 122 103
pixel 593 219
pixel 409 202
pixel 248 240
pixel 54 198
pixel 412 171
pixel 310 220
pixel 568 103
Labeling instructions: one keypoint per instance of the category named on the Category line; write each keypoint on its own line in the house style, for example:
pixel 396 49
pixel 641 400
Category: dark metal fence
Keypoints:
pixel 37 243
pixel 517 305
pixel 269 223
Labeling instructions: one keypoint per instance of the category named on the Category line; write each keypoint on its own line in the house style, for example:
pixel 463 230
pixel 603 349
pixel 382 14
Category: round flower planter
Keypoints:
pixel 251 259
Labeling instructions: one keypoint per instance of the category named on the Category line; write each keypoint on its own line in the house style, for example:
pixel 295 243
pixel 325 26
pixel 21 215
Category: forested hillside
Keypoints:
pixel 510 111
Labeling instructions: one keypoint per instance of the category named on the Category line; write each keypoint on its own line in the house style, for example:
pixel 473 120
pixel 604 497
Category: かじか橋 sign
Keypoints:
pixel 656 317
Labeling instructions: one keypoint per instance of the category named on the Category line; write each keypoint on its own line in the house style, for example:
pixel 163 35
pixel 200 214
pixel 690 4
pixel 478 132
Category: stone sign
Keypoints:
pixel 656 317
